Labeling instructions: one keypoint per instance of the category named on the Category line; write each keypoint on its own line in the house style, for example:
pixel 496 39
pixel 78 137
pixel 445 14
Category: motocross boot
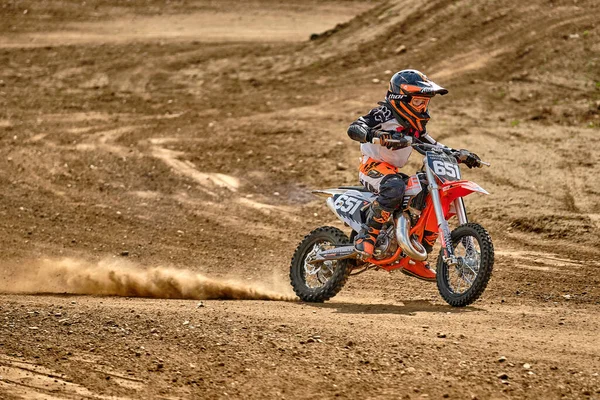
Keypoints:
pixel 365 241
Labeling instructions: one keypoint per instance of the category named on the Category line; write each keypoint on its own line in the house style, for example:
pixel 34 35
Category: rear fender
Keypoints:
pixel 327 192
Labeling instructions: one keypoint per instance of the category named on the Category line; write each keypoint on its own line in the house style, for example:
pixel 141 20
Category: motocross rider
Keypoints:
pixel 402 116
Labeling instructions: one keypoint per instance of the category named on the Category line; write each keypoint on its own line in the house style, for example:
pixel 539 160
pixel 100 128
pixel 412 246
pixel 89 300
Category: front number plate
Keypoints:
pixel 444 167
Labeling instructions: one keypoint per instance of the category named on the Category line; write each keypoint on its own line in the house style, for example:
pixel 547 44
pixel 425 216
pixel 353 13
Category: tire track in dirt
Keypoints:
pixel 548 261
pixel 187 168
pixel 27 380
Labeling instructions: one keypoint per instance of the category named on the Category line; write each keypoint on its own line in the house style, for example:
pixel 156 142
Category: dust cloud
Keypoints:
pixel 121 278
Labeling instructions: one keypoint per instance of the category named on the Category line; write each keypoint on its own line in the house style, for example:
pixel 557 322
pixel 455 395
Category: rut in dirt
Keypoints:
pixel 119 278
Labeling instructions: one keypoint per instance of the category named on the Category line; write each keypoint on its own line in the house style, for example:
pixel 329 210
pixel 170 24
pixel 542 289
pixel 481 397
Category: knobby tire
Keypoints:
pixel 485 269
pixel 339 277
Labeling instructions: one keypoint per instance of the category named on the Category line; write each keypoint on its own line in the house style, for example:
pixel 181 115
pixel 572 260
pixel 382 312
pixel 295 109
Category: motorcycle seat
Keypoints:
pixel 357 188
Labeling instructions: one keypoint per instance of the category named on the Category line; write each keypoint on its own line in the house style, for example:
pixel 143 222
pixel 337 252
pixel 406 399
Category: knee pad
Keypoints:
pixel 391 192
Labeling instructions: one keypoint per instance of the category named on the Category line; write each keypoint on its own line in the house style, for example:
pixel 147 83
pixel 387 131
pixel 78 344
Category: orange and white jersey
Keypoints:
pixel 398 158
pixel 382 118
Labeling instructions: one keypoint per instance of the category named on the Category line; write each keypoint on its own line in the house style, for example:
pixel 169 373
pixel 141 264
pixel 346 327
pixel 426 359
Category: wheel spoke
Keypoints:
pixel 461 278
pixel 313 278
pixel 463 282
pixel 317 275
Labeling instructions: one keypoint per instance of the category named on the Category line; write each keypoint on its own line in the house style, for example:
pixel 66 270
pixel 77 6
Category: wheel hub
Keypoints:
pixel 320 272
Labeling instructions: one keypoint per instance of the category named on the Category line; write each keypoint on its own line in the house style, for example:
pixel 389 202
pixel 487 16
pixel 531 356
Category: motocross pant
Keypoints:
pixel 385 180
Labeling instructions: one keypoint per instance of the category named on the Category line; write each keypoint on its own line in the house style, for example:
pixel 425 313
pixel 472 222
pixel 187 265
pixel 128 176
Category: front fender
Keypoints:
pixel 450 191
pixel 453 190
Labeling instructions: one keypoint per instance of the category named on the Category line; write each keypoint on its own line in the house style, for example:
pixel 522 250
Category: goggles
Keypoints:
pixel 419 103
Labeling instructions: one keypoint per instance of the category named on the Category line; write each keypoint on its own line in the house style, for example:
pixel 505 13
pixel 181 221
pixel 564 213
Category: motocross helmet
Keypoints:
pixel 409 94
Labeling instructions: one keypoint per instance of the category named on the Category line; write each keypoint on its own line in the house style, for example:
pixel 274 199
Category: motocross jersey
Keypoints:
pixel 382 118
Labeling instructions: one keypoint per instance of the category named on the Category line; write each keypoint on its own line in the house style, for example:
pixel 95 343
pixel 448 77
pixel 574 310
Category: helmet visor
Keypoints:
pixel 419 103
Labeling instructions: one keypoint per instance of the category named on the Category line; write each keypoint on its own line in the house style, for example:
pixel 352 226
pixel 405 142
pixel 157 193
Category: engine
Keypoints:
pixel 386 244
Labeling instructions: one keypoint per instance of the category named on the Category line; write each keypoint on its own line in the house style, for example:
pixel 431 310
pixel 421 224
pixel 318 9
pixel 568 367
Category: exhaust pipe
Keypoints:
pixel 409 246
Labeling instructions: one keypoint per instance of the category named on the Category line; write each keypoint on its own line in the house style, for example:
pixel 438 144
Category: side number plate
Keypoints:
pixel 347 204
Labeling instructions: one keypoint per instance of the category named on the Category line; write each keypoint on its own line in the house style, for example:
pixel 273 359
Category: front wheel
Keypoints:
pixel 462 284
pixel 321 281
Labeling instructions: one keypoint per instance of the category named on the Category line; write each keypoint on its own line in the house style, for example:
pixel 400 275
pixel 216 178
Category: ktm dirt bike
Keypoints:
pixel 326 257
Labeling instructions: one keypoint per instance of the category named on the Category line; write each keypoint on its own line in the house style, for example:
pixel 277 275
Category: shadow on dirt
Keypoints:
pixel 406 308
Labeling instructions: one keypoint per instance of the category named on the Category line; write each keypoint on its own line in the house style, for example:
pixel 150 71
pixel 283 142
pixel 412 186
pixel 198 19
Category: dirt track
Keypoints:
pixel 147 151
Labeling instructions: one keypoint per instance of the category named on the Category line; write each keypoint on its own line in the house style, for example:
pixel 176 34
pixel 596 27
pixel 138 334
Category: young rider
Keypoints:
pixel 402 116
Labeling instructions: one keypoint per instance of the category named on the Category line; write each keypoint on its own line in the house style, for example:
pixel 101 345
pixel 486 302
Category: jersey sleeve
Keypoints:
pixel 361 129
pixel 377 116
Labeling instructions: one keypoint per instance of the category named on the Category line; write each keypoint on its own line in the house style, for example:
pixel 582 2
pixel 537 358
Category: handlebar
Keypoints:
pixel 422 149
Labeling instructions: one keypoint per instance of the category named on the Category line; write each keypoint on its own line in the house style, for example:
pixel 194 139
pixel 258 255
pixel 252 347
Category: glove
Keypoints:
pixel 359 132
pixel 471 160
pixel 391 139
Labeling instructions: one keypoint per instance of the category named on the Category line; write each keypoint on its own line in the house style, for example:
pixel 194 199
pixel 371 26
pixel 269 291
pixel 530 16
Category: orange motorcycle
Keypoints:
pixel 326 257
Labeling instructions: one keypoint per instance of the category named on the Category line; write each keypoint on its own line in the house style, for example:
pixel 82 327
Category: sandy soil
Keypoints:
pixel 256 24
pixel 156 171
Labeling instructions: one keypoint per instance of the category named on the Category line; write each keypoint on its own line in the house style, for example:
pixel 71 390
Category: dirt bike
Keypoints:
pixel 326 257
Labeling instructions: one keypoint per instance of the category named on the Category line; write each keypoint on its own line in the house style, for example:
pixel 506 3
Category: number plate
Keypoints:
pixel 348 207
pixel 347 204
pixel 444 167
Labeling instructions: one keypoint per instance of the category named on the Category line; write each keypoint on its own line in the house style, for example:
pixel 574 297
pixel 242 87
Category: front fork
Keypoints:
pixel 444 228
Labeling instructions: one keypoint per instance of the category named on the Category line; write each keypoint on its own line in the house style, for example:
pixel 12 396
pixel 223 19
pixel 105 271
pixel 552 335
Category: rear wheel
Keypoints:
pixel 321 281
pixel 462 284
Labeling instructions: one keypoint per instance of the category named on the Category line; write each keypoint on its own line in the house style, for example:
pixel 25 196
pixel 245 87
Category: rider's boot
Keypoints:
pixel 365 241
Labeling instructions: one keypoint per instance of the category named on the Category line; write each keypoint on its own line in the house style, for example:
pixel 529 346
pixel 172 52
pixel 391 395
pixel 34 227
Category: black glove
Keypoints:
pixel 471 160
pixel 359 132
pixel 391 139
